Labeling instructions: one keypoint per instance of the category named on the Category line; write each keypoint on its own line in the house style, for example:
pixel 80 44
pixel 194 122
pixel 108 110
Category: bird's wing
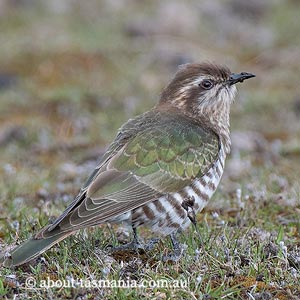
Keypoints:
pixel 163 157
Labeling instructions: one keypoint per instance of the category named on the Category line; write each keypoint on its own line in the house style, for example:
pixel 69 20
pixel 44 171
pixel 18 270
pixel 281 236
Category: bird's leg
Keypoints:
pixel 147 247
pixel 178 250
pixel 136 244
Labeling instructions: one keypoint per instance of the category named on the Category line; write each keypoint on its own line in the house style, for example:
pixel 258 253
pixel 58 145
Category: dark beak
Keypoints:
pixel 235 78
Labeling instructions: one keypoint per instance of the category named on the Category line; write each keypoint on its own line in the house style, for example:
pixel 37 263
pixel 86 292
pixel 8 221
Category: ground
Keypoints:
pixel 71 72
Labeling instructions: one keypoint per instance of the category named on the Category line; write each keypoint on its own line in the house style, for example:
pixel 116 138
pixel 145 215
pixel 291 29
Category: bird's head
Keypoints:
pixel 203 91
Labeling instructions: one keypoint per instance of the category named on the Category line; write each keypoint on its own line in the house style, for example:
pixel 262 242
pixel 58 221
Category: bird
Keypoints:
pixel 160 170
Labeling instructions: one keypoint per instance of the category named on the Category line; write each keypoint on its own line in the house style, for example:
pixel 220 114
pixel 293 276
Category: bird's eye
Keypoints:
pixel 206 84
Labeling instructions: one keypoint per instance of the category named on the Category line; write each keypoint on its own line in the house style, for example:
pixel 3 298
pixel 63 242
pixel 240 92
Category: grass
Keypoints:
pixel 79 74
pixel 228 260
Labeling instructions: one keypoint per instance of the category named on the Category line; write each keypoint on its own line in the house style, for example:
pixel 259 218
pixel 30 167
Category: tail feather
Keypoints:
pixel 31 249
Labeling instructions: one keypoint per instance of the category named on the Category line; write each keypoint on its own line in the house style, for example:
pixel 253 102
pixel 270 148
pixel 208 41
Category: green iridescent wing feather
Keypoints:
pixel 154 154
pixel 168 157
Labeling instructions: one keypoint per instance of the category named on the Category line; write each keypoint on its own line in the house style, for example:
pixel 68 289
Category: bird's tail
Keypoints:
pixel 32 248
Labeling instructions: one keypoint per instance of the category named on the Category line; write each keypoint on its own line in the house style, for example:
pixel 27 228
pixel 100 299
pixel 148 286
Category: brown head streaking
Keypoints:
pixel 204 92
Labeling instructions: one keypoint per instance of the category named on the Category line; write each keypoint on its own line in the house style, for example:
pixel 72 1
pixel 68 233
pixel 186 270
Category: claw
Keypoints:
pixel 136 245
pixel 178 250
pixel 188 205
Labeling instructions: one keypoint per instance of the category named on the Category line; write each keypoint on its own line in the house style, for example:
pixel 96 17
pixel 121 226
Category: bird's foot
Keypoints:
pixel 176 255
pixel 136 245
pixel 178 250
pixel 151 244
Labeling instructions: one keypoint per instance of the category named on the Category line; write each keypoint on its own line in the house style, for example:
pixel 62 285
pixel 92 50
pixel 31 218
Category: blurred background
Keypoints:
pixel 72 72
